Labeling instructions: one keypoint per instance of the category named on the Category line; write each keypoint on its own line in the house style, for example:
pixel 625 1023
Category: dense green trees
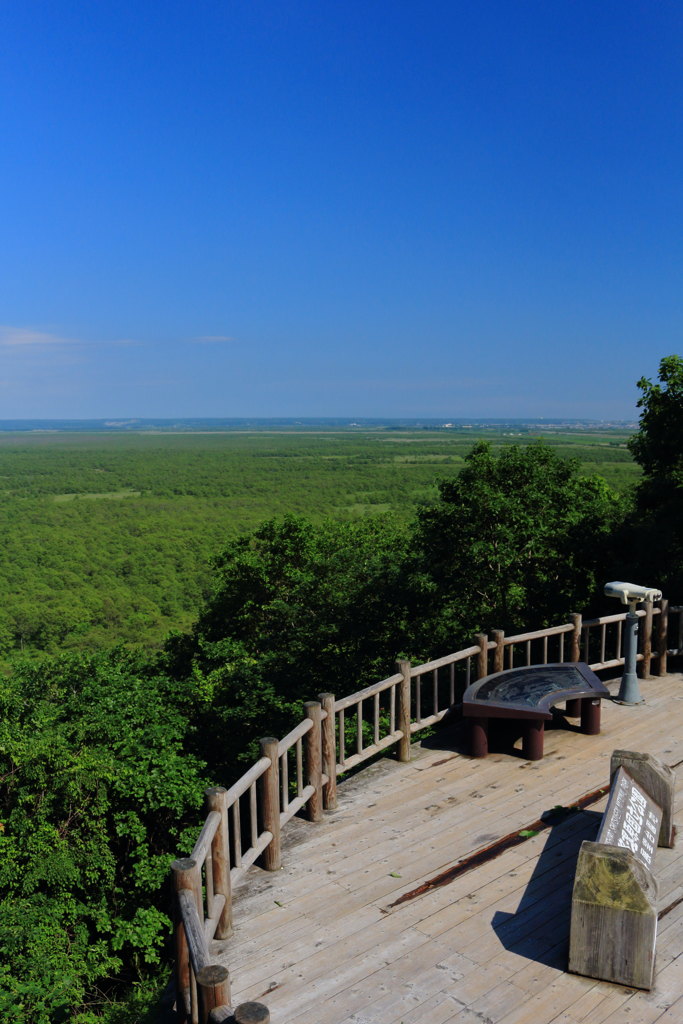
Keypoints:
pixel 657 445
pixel 97 789
pixel 295 608
pixel 654 536
pixel 107 538
pixel 515 540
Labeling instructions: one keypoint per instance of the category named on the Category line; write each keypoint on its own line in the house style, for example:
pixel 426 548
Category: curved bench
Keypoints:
pixel 528 694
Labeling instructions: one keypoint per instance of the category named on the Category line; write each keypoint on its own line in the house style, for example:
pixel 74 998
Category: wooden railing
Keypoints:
pixel 602 640
pixel 299 772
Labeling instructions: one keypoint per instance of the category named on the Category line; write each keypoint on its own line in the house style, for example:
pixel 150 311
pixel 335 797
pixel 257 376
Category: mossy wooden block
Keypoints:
pixel 614 917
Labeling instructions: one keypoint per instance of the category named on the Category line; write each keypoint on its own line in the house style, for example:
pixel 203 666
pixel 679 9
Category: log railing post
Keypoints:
pixel 245 1013
pixel 404 710
pixel 313 742
pixel 646 646
pixel 271 858
pixel 184 877
pixel 220 857
pixel 213 989
pixel 577 622
pixel 252 1013
pixel 499 653
pixel 663 637
pixel 482 641
pixel 329 748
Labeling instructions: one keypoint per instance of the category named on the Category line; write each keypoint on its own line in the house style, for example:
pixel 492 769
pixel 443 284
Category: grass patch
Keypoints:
pixel 99 496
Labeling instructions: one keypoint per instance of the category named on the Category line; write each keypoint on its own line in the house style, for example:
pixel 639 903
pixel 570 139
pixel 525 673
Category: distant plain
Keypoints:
pixel 108 536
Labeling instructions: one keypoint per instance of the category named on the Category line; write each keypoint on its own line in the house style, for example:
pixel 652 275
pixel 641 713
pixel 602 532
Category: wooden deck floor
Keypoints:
pixel 325 940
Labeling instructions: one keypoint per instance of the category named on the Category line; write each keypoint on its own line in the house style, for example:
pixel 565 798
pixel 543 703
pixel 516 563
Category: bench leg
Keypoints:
pixel 532 741
pixel 573 707
pixel 590 716
pixel 479 737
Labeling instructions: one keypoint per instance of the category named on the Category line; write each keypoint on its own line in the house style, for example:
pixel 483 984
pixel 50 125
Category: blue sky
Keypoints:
pixel 310 208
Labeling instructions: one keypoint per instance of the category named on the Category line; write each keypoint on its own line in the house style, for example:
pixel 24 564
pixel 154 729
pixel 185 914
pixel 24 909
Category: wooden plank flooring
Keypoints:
pixel 327 940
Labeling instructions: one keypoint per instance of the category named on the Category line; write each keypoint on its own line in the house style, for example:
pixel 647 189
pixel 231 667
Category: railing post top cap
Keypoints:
pixel 183 864
pixel 252 1013
pixel 312 704
pixel 269 739
pixel 212 974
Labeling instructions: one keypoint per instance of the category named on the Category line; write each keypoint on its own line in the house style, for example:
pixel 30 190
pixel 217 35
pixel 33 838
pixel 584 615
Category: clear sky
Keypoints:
pixel 317 207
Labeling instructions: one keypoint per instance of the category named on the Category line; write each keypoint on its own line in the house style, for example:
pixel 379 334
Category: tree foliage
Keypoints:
pixel 107 538
pixel 295 609
pixel 515 540
pixel 657 445
pixel 654 538
pixel 97 789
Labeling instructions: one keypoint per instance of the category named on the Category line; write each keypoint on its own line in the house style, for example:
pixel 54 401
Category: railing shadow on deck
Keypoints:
pixel 298 775
pixel 539 928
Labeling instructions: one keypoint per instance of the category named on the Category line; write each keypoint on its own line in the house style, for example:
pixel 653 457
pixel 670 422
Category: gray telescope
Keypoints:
pixel 631 594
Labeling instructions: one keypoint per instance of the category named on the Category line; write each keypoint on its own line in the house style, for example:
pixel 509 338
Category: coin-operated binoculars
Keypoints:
pixel 631 594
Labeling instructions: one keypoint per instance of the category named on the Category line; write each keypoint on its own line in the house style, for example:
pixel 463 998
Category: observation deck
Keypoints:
pixel 439 889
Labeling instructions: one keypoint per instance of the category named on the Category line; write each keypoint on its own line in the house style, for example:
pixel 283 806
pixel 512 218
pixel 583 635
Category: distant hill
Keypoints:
pixel 193 425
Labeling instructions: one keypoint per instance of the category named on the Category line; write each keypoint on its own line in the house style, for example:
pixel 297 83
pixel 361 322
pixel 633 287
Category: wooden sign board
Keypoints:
pixel 632 819
pixel 656 778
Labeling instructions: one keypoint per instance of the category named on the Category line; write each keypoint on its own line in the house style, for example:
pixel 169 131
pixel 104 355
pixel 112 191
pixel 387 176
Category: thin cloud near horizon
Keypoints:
pixel 25 337
pixel 213 338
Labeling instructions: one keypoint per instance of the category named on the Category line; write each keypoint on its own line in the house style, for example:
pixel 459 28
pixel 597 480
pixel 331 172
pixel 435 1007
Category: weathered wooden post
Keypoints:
pixel 482 642
pixel 404 710
pixel 220 858
pixel 646 649
pixel 329 744
pixel 213 988
pixel 663 637
pixel 577 622
pixel 499 652
pixel 245 1013
pixel 313 744
pixel 184 877
pixel 212 980
pixel 575 707
pixel 271 858
pixel 252 1013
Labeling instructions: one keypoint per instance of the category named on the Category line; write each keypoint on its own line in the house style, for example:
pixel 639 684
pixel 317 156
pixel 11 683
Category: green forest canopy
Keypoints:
pixel 108 538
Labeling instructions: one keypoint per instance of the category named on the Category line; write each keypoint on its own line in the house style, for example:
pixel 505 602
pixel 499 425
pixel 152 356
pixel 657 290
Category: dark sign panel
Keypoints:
pixel 532 690
pixel 530 685
pixel 631 819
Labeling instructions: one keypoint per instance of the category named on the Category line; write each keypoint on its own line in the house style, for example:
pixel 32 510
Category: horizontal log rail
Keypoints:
pixel 299 772
pixel 606 640
pixel 538 647
pixel 369 691
pixel 436 691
